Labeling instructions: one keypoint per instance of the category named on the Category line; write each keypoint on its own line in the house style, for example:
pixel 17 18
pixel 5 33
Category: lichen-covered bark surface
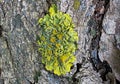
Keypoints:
pixel 20 61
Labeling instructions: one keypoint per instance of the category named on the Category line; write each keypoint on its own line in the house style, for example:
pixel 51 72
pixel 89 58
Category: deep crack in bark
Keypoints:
pixel 101 8
pixel 1 29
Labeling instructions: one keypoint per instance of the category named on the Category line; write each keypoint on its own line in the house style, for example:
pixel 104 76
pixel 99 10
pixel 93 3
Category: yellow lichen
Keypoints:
pixel 57 41
pixel 76 4
pixel 52 39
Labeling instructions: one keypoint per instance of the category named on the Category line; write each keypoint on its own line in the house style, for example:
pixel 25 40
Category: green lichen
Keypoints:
pixel 36 75
pixel 57 41
pixel 93 32
pixel 76 4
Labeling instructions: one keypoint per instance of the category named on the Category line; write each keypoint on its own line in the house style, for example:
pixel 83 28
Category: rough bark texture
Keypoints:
pixel 110 38
pixel 20 61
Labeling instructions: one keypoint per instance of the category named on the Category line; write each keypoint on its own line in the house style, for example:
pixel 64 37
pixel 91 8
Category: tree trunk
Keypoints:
pixel 20 61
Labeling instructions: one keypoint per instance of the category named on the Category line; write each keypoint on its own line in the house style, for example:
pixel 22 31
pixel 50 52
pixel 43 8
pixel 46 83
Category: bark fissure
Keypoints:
pixel 95 26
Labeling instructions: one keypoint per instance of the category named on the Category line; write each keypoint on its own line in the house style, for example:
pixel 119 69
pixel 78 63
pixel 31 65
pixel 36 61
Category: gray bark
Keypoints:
pixel 20 61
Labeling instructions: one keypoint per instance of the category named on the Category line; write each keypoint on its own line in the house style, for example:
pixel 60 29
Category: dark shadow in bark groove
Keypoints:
pixel 101 8
pixel 1 29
